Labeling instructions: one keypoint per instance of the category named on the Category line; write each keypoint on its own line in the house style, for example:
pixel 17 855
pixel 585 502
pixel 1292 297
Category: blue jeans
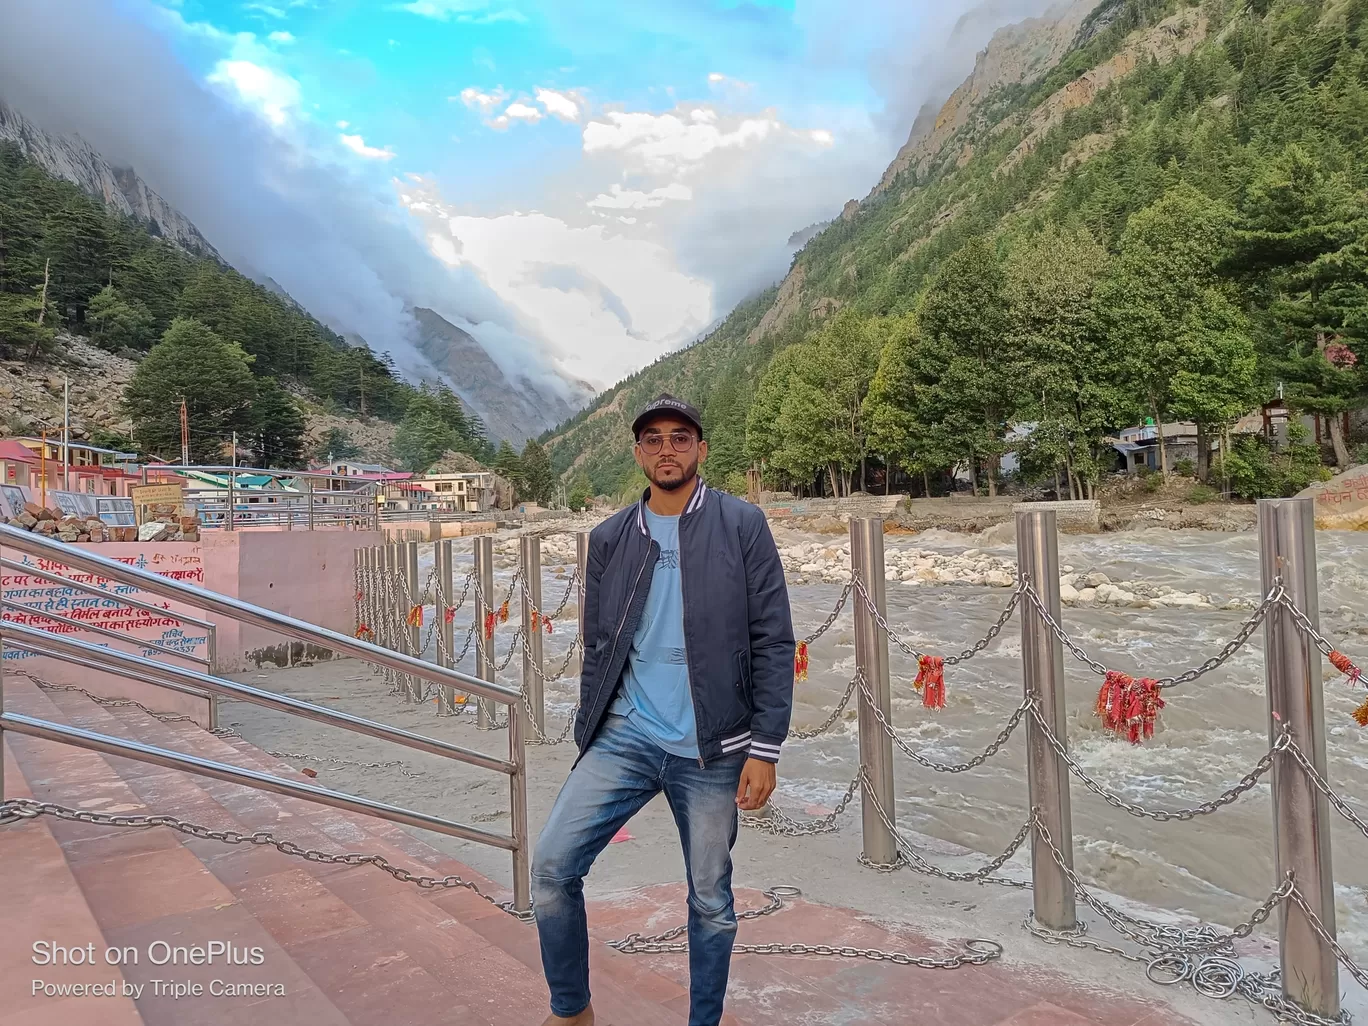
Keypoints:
pixel 622 771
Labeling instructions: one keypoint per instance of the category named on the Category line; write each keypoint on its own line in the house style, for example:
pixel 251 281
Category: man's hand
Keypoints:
pixel 757 784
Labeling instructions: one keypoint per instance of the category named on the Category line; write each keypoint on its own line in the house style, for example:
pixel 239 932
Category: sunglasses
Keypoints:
pixel 653 442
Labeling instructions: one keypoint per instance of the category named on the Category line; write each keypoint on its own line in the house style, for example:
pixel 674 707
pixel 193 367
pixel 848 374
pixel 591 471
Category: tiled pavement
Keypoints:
pixel 351 945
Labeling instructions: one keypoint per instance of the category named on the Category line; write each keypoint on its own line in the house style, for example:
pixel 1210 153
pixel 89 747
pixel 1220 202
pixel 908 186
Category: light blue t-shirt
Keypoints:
pixel 655 685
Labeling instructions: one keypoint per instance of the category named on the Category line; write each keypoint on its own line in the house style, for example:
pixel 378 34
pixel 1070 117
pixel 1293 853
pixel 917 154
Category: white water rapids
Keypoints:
pixel 1212 732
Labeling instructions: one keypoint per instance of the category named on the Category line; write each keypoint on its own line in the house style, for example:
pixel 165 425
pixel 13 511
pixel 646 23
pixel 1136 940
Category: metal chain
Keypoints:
pixel 512 650
pixel 831 617
pixel 952 660
pixel 780 824
pixel 1322 785
pixel 1226 797
pixel 907 855
pixel 975 951
pixel 25 808
pixel 1247 629
pixel 110 703
pixel 1299 618
pixel 942 767
pixel 825 725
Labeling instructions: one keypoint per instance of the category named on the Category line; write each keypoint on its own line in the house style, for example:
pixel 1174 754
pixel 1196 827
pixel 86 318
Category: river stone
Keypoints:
pixel 153 530
pixel 1096 580
pixel 1068 594
pixel 998 579
pixel 1087 597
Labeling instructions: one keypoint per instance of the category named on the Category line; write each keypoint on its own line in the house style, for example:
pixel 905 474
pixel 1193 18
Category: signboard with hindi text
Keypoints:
pixel 164 503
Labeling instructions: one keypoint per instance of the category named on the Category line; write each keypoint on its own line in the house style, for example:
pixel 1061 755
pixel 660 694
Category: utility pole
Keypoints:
pixel 66 435
pixel 42 471
pixel 185 433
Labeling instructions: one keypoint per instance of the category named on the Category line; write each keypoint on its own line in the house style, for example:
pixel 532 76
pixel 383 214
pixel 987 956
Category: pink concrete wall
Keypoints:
pixel 177 560
pixel 305 574
pixel 309 575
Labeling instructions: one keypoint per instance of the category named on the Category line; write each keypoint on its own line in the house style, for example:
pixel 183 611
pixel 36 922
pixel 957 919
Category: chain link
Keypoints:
pixel 110 703
pixel 25 808
pixel 908 857
pixel 778 823
pixel 941 767
pixel 1247 629
pixel 825 725
pixel 306 757
pixel 976 952
pixel 831 617
pixel 1226 797
pixel 951 660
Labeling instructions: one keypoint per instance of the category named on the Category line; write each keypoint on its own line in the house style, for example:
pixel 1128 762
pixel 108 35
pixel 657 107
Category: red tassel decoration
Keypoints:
pixel 449 614
pixel 536 621
pixel 1361 715
pixel 547 621
pixel 1341 662
pixel 1128 707
pixel 362 631
pixel 415 617
pixel 931 681
pixel 800 661
pixel 490 620
pixel 360 596
pixel 503 612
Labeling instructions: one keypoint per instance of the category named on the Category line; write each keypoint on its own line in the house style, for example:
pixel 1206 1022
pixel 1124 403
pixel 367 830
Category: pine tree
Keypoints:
pixel 538 477
pixel 212 376
pixel 278 427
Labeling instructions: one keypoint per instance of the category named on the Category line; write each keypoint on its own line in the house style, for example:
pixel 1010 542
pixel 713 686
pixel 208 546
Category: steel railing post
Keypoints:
pixel 446 628
pixel 232 500
pixel 1047 776
pixel 1301 814
pixel 389 603
pixel 529 561
pixel 871 661
pixel 484 607
pixel 309 500
pixel 517 788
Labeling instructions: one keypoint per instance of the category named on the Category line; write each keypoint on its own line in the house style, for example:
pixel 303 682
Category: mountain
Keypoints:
pixel 512 408
pixel 118 188
pixel 1209 161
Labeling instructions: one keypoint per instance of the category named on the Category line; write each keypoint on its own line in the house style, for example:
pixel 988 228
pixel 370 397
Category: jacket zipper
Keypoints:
pixel 684 601
pixel 617 635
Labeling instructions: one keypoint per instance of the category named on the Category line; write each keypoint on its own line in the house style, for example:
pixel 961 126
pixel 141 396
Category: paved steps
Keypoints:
pixel 352 945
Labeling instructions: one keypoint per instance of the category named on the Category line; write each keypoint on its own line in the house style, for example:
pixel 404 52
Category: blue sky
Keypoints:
pixel 585 185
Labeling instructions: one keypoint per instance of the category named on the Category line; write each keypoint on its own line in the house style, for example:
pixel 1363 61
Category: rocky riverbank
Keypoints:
pixel 820 562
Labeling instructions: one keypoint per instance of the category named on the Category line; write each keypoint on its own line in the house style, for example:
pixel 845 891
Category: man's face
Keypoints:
pixel 669 451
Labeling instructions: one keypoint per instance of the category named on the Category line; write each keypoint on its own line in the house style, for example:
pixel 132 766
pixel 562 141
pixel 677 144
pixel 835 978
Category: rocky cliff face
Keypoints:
pixel 119 188
pixel 516 409
pixel 1017 54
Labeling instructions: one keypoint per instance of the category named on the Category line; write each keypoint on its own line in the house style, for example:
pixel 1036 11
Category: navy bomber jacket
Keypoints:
pixel 738 631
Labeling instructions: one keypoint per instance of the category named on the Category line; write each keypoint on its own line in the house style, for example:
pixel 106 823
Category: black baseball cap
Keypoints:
pixel 663 405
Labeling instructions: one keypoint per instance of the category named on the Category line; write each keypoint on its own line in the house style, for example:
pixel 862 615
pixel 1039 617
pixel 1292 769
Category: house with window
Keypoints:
pixel 82 468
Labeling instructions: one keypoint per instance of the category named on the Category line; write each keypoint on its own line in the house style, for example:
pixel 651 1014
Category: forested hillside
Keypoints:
pixel 231 348
pixel 1170 223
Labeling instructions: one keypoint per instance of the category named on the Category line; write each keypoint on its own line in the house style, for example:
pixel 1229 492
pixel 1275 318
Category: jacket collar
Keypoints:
pixel 695 503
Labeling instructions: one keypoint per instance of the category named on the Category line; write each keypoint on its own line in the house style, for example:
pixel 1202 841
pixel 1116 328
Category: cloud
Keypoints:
pixel 332 236
pixel 672 141
pixel 481 101
pixel 716 77
pixel 284 38
pixel 562 105
pixel 470 12
pixel 520 111
pixel 266 9
pixel 618 198
pixel 358 146
pixel 608 300
pixel 273 93
pixel 344 124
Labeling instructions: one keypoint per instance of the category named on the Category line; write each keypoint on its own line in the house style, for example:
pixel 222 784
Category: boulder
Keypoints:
pixel 26 520
pixel 1087 597
pixel 153 530
pixel 1068 594
pixel 998 579
pixel 1097 580
pixel 48 527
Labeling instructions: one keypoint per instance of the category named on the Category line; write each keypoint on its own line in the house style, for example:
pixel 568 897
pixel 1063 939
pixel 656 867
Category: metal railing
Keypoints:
pixel 161 674
pixel 294 509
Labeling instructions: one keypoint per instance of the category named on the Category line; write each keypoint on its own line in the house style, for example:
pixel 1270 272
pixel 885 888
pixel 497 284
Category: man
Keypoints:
pixel 687 688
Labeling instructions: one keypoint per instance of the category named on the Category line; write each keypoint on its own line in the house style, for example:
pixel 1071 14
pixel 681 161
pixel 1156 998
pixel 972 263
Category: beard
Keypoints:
pixel 673 478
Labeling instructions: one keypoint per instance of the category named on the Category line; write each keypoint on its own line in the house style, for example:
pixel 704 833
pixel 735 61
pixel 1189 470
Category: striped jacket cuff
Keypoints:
pixel 765 751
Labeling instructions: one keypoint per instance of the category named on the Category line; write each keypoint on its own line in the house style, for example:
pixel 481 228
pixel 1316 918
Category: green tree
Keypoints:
pixel 508 465
pixel 278 427
pixel 212 376
pixel 20 332
pixel 336 444
pixel 538 478
pixel 1065 365
pixel 1168 314
pixel 422 438
pixel 967 380
pixel 117 324
pixel 581 492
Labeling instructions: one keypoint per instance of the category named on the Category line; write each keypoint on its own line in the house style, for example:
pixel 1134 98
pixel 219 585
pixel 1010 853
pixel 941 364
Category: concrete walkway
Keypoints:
pixel 351 945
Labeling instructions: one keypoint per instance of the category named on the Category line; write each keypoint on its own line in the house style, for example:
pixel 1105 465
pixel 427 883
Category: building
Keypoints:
pixel 469 492
pixel 89 469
